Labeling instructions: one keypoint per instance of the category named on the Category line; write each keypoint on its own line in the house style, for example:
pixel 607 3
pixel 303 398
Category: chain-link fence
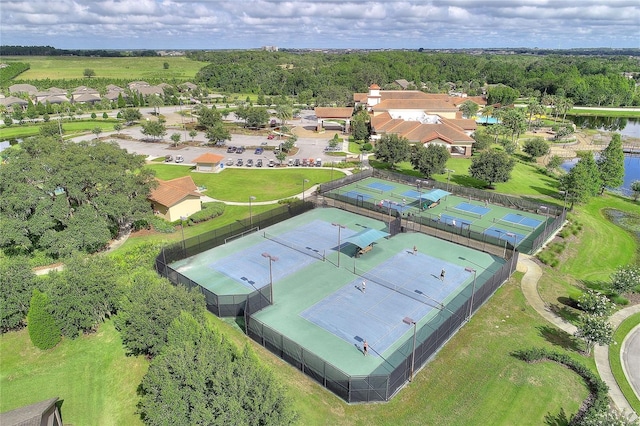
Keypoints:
pixel 222 305
pixel 377 387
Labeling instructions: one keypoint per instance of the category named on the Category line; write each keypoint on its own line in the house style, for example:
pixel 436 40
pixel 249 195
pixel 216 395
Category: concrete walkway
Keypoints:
pixel 532 274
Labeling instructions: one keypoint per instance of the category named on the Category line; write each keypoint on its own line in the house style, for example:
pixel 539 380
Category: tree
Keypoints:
pixel 554 162
pixel 611 164
pixel 156 102
pixel 534 108
pixel 165 65
pixel 88 72
pixel 201 378
pixel 18 282
pixel 105 115
pixel 635 187
pixel 155 129
pixel 625 279
pixel 96 131
pixel 469 109
pixel 392 149
pixel 43 331
pixel 430 160
pixel 536 147
pixel 360 127
pixel 502 94
pixel 290 143
pixel 281 156
pixel 492 166
pixel 335 141
pixel 50 130
pixel 583 180
pixel 121 102
pixel 193 134
pixel 148 308
pixel 256 117
pixel 284 112
pixel 117 127
pixel 65 196
pixel 594 303
pixel 594 330
pixel 514 120
pixel 129 115
pixel 84 294
pixel 217 133
pixel 482 139
pixel 208 117
pixel 8 121
pixel 175 137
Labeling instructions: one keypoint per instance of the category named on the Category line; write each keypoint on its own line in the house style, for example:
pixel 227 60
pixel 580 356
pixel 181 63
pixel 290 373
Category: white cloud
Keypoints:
pixel 326 23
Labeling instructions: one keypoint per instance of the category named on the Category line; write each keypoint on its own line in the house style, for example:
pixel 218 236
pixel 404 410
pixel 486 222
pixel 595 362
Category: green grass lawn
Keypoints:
pixel 133 68
pixel 603 113
pixel 616 365
pixel 68 127
pixel 91 375
pixel 238 184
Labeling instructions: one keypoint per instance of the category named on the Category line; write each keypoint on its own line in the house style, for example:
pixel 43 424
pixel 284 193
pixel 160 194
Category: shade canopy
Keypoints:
pixel 366 237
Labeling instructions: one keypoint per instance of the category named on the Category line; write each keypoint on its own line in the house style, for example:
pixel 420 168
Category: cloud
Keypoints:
pixel 201 24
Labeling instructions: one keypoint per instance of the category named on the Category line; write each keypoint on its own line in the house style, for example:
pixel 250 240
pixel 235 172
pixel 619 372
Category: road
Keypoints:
pixel 630 354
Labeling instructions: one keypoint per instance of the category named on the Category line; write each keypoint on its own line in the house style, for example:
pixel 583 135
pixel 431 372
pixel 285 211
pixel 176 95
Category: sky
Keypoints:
pixel 249 24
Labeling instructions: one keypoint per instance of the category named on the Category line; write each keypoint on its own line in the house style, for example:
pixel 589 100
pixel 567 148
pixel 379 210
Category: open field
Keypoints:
pixel 91 375
pixel 68 127
pixel 134 68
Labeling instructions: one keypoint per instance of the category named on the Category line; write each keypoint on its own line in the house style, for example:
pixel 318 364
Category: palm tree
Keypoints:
pixel 487 111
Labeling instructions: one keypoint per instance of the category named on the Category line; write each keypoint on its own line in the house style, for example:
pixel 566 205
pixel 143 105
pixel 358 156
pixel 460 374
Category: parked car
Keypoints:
pixel 305 162
pixel 240 150
pixel 272 163
pixel 249 162
pixel 259 150
pixel 259 162
pixel 230 162
pixel 168 158
pixel 270 137
pixel 179 159
pixel 318 162
pixel 239 162
pixel 231 149
pixel 296 162
pixel 312 162
pixel 290 162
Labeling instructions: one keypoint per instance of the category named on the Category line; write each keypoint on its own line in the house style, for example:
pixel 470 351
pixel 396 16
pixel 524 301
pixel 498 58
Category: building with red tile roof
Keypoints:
pixel 209 163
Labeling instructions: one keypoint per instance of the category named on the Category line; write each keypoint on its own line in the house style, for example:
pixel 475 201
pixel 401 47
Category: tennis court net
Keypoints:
pixel 420 297
pixel 463 212
pixel 297 247
pixel 368 188
pixel 514 224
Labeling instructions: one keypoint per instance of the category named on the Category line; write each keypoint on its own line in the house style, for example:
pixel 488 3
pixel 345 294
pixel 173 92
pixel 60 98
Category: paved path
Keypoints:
pixel 601 353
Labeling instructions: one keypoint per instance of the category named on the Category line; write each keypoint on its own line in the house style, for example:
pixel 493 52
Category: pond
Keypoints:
pixel 625 126
pixel 631 171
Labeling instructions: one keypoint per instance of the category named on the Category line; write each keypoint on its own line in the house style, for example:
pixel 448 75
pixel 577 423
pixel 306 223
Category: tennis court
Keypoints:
pixel 321 306
pixel 433 207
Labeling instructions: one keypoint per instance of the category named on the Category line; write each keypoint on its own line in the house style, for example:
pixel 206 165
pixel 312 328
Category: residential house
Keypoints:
pixel 23 88
pixel 176 198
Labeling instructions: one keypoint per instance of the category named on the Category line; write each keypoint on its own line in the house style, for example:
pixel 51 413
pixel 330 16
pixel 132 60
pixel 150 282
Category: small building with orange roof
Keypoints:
pixel 209 163
pixel 176 198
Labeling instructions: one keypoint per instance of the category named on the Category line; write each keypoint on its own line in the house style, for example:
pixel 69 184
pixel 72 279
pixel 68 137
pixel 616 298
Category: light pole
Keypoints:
pixel 271 260
pixel 473 291
pixel 339 228
pixel 418 182
pixel 410 321
pixel 303 182
pixel 182 219
pixel 449 171
pixel 251 198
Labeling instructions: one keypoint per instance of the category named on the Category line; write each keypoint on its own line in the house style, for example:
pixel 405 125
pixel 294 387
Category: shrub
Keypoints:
pixel 161 225
pixel 625 279
pixel 209 211
pixel 290 200
pixel 594 303
pixel 43 330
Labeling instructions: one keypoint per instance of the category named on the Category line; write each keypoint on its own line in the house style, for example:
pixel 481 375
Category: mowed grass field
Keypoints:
pixel 96 382
pixel 72 67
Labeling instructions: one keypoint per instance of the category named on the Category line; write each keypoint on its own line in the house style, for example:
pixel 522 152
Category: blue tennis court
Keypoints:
pixel 357 195
pixel 455 221
pixel 503 234
pixel 381 186
pixel 376 313
pixel 473 208
pixel 522 220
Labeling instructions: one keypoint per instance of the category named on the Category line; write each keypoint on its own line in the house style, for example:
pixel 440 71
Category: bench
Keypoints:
pixel 363 250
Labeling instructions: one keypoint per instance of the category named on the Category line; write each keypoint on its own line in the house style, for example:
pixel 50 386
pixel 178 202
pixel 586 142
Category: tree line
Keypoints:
pixel 332 79
pixel 52 51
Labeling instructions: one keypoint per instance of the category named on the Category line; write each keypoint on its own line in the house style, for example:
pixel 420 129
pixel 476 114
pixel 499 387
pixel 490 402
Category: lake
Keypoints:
pixel 631 171
pixel 625 126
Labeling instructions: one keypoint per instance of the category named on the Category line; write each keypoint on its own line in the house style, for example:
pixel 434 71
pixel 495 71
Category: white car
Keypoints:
pixel 179 159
